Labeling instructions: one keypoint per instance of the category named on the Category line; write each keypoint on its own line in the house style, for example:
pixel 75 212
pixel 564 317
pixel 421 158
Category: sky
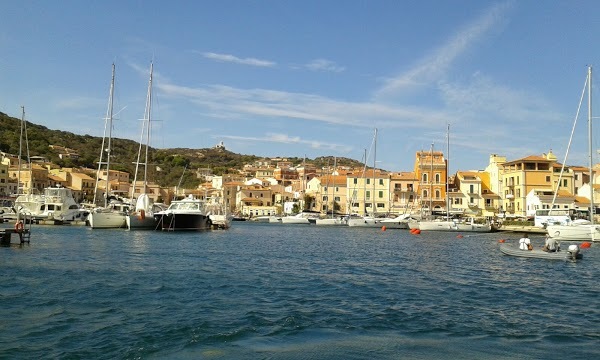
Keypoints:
pixel 283 78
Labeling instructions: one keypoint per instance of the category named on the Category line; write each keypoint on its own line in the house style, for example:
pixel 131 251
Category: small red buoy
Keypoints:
pixel 501 241
pixel 459 236
pixel 383 228
pixel 417 232
pixel 586 245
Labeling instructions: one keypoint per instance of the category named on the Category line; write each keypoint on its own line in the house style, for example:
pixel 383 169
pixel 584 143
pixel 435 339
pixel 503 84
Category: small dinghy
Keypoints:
pixel 572 253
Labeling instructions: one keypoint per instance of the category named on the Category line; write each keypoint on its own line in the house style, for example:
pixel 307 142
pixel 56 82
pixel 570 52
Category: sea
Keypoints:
pixel 274 291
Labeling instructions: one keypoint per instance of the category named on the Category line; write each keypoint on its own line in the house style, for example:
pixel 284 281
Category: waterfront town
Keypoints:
pixel 505 188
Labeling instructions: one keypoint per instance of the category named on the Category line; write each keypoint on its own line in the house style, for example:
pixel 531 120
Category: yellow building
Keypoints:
pixel 404 192
pixel 32 180
pixel 432 171
pixel 532 173
pixel 368 192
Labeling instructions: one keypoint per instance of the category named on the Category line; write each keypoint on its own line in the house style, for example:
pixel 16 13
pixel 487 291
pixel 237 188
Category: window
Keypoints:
pixel 425 178
pixel 437 178
pixel 336 198
pixel 565 182
pixel 380 181
pixel 380 205
pixel 356 180
pixel 381 194
pixel 368 194
pixel 368 181
pixel 547 179
pixel 437 194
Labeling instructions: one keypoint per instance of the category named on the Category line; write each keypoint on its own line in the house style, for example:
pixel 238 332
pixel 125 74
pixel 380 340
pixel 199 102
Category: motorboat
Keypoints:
pixel 340 220
pixel 304 217
pixel 398 222
pixel 188 214
pixel 56 204
pixel 572 253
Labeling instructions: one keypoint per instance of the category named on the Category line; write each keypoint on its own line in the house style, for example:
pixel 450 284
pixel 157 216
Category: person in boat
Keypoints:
pixel 525 243
pixel 551 244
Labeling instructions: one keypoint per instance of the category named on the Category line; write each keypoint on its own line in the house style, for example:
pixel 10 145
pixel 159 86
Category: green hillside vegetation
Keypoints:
pixel 171 162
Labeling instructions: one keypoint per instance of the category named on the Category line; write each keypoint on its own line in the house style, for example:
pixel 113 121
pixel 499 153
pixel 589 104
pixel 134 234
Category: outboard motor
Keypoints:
pixel 573 251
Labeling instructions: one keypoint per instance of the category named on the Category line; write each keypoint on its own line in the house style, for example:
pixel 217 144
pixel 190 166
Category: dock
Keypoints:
pixel 6 236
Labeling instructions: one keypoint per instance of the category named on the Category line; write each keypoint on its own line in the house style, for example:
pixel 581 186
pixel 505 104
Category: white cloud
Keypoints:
pixel 433 67
pixel 237 60
pixel 286 139
pixel 324 65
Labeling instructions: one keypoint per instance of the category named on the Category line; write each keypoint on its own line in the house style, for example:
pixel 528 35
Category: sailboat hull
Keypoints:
pixel 107 220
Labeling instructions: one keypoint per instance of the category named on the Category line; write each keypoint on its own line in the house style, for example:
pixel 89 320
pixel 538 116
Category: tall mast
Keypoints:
pixel 430 178
pixel 107 124
pixel 590 146
pixel 146 121
pixel 447 172
pixel 20 150
pixel 374 166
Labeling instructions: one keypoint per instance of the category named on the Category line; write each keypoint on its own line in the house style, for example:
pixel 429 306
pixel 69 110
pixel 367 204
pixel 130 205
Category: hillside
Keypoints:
pixel 171 162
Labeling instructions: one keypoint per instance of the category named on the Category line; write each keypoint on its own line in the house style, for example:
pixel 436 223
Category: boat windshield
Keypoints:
pixel 186 206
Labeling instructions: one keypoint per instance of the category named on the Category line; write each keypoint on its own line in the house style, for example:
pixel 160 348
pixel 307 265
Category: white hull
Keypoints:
pixel 577 232
pixel 447 225
pixel 364 222
pixel 332 222
pixel 394 224
pixel 221 221
pixel 294 220
pixel 106 220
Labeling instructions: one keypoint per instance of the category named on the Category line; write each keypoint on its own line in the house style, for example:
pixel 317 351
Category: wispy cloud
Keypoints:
pixel 297 106
pixel 324 65
pixel 433 67
pixel 286 139
pixel 237 60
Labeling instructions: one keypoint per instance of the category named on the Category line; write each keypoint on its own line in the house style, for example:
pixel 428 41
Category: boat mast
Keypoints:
pixel 20 150
pixel 430 179
pixel 447 172
pixel 374 167
pixel 592 210
pixel 107 124
pixel 146 130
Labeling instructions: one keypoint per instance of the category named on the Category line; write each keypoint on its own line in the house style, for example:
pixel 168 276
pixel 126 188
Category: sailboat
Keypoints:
pixel 143 215
pixel 113 214
pixel 448 224
pixel 368 220
pixel 29 204
pixel 580 229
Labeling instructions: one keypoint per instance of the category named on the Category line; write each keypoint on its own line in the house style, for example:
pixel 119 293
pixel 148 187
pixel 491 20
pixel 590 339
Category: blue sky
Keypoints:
pixel 310 78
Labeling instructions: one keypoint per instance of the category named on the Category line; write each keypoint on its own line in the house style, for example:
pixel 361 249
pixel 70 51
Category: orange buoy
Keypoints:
pixel 383 228
pixel 459 236
pixel 501 241
pixel 417 232
pixel 586 245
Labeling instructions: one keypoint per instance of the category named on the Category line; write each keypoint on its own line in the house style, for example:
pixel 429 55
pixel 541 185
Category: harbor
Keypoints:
pixel 295 292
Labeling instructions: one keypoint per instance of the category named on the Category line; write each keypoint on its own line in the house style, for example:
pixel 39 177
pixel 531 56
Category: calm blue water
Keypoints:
pixel 270 291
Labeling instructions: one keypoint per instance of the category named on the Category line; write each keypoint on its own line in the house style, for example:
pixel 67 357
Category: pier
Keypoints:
pixel 6 236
